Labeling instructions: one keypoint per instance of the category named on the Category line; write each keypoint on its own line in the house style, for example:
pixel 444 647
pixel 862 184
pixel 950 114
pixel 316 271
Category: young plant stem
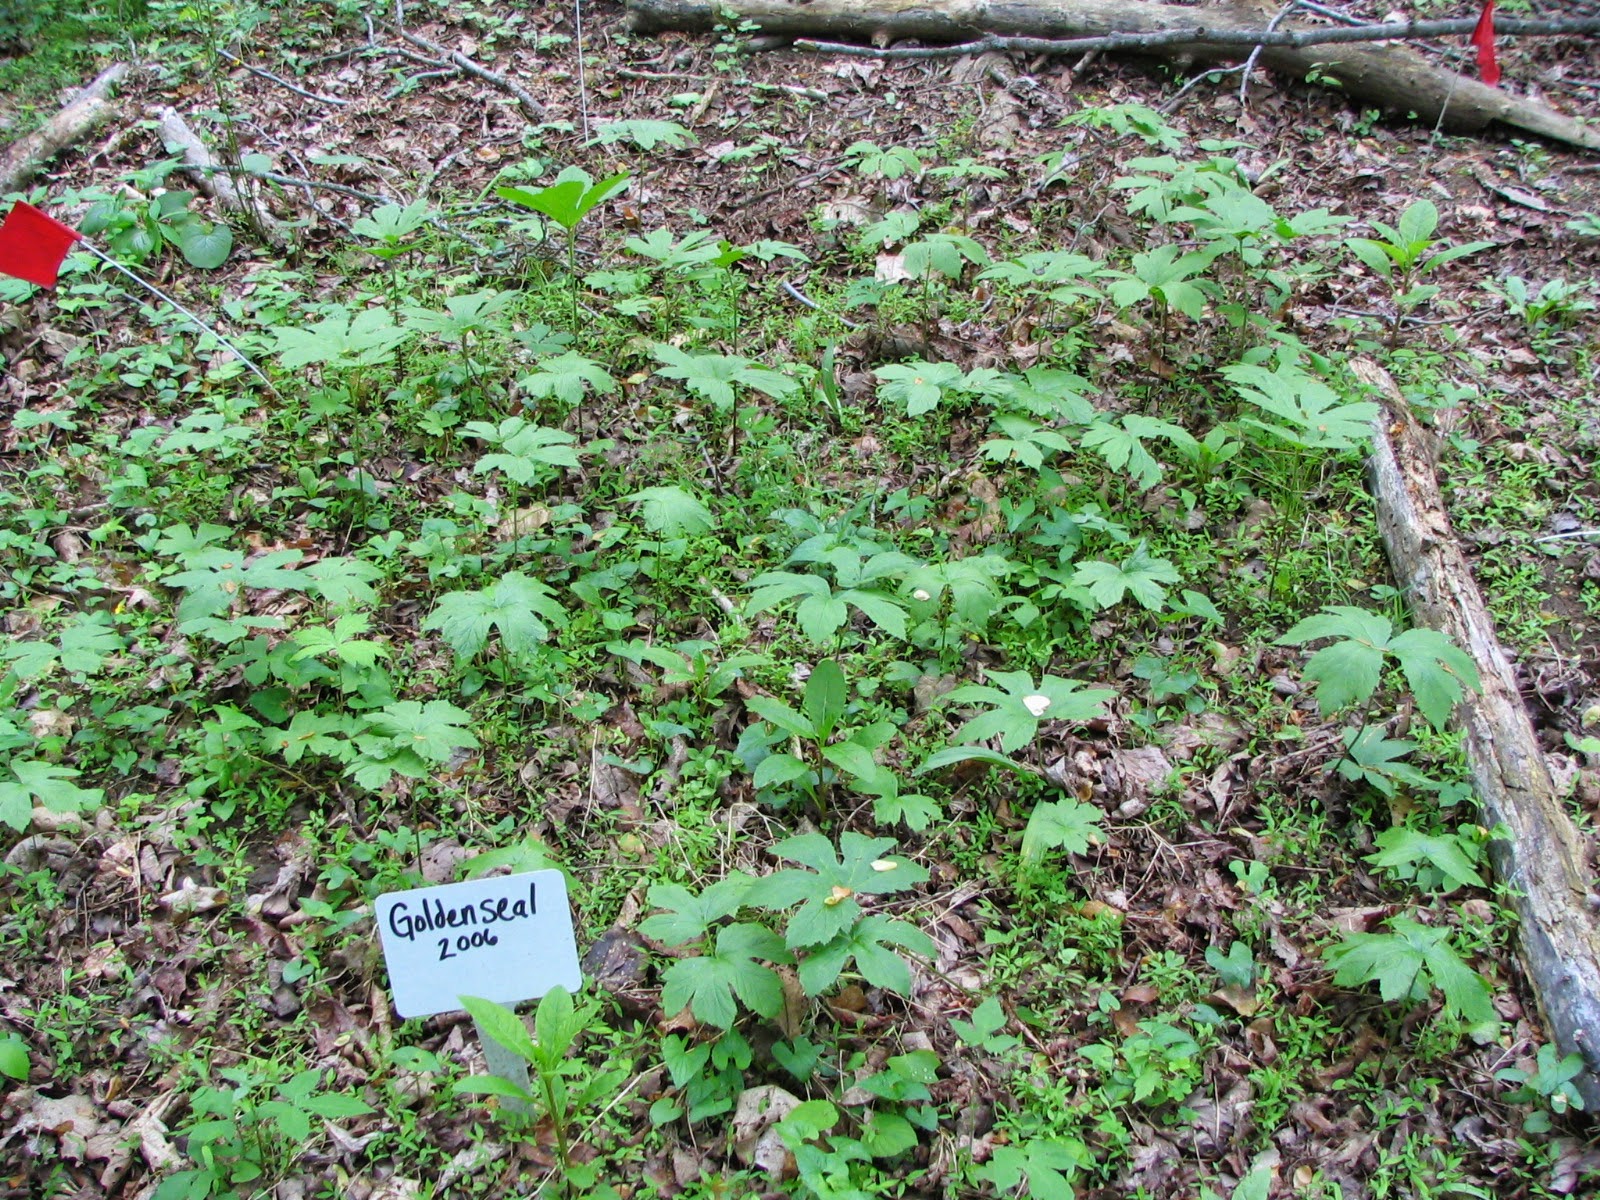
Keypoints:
pixel 558 1123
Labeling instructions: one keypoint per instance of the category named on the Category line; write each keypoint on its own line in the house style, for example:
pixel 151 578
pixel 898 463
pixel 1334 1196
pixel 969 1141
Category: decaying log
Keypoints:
pixel 74 122
pixel 1541 860
pixel 212 179
pixel 1392 76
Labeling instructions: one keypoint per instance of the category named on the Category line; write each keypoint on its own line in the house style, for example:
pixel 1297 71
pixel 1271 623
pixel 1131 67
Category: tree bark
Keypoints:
pixel 82 113
pixel 1392 76
pixel 1542 859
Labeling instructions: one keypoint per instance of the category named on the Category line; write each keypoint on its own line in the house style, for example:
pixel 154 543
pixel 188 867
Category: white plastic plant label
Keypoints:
pixel 507 939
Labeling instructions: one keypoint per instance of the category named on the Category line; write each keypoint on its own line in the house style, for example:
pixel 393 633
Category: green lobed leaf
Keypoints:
pixel 1068 825
pixel 672 511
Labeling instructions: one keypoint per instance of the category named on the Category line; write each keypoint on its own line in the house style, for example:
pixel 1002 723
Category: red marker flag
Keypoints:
pixel 1483 39
pixel 32 245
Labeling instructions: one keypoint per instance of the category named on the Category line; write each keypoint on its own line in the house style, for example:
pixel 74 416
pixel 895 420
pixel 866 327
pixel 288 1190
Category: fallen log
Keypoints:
pixel 213 180
pixel 1392 76
pixel 73 123
pixel 1541 860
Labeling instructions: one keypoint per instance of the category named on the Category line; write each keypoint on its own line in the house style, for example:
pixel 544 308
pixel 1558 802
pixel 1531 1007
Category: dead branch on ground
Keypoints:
pixel 1393 76
pixel 531 108
pixel 1541 860
pixel 74 122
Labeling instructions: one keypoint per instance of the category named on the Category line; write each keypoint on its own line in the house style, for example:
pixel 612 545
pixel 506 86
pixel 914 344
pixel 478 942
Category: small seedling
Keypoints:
pixel 564 1087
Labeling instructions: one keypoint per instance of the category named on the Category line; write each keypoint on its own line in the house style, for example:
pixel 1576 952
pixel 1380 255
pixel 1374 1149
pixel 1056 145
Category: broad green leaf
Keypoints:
pixel 1371 757
pixel 432 731
pixel 647 135
pixel 527 450
pixel 688 916
pixel 556 1025
pixel 342 582
pixel 1405 962
pixel 340 340
pixel 775 712
pixel 462 315
pixel 566 377
pixel 492 1085
pixel 1017 705
pixel 14 1062
pixel 918 386
pixel 513 606
pixel 203 244
pixel 1348 671
pixel 1418 223
pixel 778 769
pixel 502 1024
pixel 887 1134
pixel 1437 670
pixel 334 1106
pixel 827 891
pixel 1068 825
pixel 311 732
pixel 570 198
pixel 857 761
pixel 825 698
pixel 1139 575
pixel 713 376
pixel 707 984
pixel 46 784
pixel 1308 414
pixel 216 578
pixel 1121 443
pixel 671 511
pixel 951 755
pixel 882 609
pixel 1401 849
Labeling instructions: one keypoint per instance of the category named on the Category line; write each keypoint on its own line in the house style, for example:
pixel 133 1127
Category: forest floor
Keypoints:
pixel 858 552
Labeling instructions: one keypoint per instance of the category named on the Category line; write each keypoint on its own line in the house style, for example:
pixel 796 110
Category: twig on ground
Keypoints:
pixel 1255 51
pixel 1561 537
pixel 531 108
pixel 633 73
pixel 797 294
pixel 805 93
pixel 1333 14
pixel 282 82
pixel 697 114
pixel 1171 102
pixel 294 181
pixel 787 186
pixel 411 81
pixel 583 78
pixel 336 56
pixel 1024 87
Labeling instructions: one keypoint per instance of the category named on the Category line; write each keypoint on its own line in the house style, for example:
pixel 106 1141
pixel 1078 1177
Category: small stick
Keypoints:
pixel 159 294
pixel 797 294
pixel 1576 533
pixel 1255 51
pixel 282 82
pixel 531 108
pixel 632 73
pixel 1333 14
